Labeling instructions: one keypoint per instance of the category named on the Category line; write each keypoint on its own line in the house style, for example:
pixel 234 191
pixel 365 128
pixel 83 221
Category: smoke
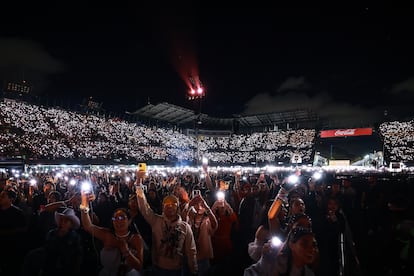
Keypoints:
pixel 405 87
pixel 293 94
pixel 22 59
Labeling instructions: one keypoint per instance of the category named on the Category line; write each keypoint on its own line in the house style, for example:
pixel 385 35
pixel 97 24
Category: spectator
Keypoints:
pixel 172 237
pixel 62 253
pixel 123 248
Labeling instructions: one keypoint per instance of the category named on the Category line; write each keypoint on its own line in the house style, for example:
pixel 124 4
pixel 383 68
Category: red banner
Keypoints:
pixel 345 132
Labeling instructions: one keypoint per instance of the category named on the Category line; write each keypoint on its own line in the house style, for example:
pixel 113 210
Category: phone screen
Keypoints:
pixel 142 167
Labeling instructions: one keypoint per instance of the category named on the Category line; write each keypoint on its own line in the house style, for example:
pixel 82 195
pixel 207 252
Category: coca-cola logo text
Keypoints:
pixel 345 132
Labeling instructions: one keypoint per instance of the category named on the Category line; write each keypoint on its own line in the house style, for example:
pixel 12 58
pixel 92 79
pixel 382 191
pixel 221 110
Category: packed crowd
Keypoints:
pixel 202 221
pixel 399 140
pixel 52 133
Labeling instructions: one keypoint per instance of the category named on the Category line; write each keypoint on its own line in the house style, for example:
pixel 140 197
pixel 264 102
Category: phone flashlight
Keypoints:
pixel 127 179
pixel 220 195
pixel 317 176
pixel 276 242
pixel 86 187
pixel 72 182
pixel 33 182
pixel 293 179
pixel 204 160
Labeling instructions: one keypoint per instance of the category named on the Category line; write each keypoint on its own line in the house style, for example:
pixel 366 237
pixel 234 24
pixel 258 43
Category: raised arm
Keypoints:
pixel 143 205
pixel 87 224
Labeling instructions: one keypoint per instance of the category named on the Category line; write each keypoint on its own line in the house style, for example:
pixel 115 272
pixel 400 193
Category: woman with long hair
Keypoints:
pixel 294 257
pixel 123 247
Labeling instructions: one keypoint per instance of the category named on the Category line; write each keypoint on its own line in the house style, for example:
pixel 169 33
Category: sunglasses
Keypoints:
pixel 119 218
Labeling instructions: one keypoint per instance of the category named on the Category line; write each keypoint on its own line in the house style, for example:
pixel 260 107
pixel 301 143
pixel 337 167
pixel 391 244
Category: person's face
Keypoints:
pixel 332 205
pixel 170 210
pixel 304 250
pixel 298 206
pixel 335 187
pixel 120 221
pixel 263 187
pixel 47 188
pixel 152 194
pixel 346 183
pixel 200 208
pixel 255 189
pixel 246 190
pixel 64 225
pixel 101 198
pixel 152 185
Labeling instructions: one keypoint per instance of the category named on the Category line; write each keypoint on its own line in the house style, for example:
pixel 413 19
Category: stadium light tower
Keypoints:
pixel 196 94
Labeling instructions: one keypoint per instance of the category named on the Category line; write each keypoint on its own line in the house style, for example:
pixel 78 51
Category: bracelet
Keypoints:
pixel 84 209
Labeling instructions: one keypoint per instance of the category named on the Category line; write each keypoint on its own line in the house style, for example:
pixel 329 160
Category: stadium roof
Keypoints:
pixel 182 116
pixel 276 118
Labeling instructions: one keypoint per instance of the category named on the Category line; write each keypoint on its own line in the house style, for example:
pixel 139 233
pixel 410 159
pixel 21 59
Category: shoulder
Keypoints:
pixel 135 237
pixel 184 226
pixel 137 240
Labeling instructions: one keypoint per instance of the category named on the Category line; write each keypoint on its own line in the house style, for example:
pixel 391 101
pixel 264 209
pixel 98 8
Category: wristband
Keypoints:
pixel 84 209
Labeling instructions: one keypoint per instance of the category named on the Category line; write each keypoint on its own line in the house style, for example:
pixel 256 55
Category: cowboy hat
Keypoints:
pixel 69 213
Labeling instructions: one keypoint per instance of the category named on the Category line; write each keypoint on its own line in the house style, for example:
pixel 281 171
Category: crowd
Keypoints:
pixel 52 133
pixel 101 222
pixel 398 140
pixel 202 221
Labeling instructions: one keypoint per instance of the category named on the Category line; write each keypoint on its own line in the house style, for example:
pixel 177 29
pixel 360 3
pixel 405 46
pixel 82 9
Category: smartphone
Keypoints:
pixel 220 195
pixel 195 193
pixel 144 188
pixel 142 167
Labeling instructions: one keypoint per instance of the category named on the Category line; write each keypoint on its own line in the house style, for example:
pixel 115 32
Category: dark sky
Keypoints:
pixel 342 62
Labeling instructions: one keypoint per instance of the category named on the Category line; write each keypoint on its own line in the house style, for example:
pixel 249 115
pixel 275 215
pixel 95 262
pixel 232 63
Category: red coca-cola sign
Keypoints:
pixel 345 132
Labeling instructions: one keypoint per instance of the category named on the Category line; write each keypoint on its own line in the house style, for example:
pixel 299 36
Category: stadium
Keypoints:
pixel 166 134
pixel 41 144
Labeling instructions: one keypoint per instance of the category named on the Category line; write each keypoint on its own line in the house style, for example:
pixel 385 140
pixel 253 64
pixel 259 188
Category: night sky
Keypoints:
pixel 341 62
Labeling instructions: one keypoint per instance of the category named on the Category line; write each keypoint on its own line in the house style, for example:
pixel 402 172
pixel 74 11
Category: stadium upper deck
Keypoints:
pixel 40 133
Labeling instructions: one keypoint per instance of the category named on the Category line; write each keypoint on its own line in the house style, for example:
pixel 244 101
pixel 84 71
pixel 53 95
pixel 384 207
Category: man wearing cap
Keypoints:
pixel 62 252
pixel 172 237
